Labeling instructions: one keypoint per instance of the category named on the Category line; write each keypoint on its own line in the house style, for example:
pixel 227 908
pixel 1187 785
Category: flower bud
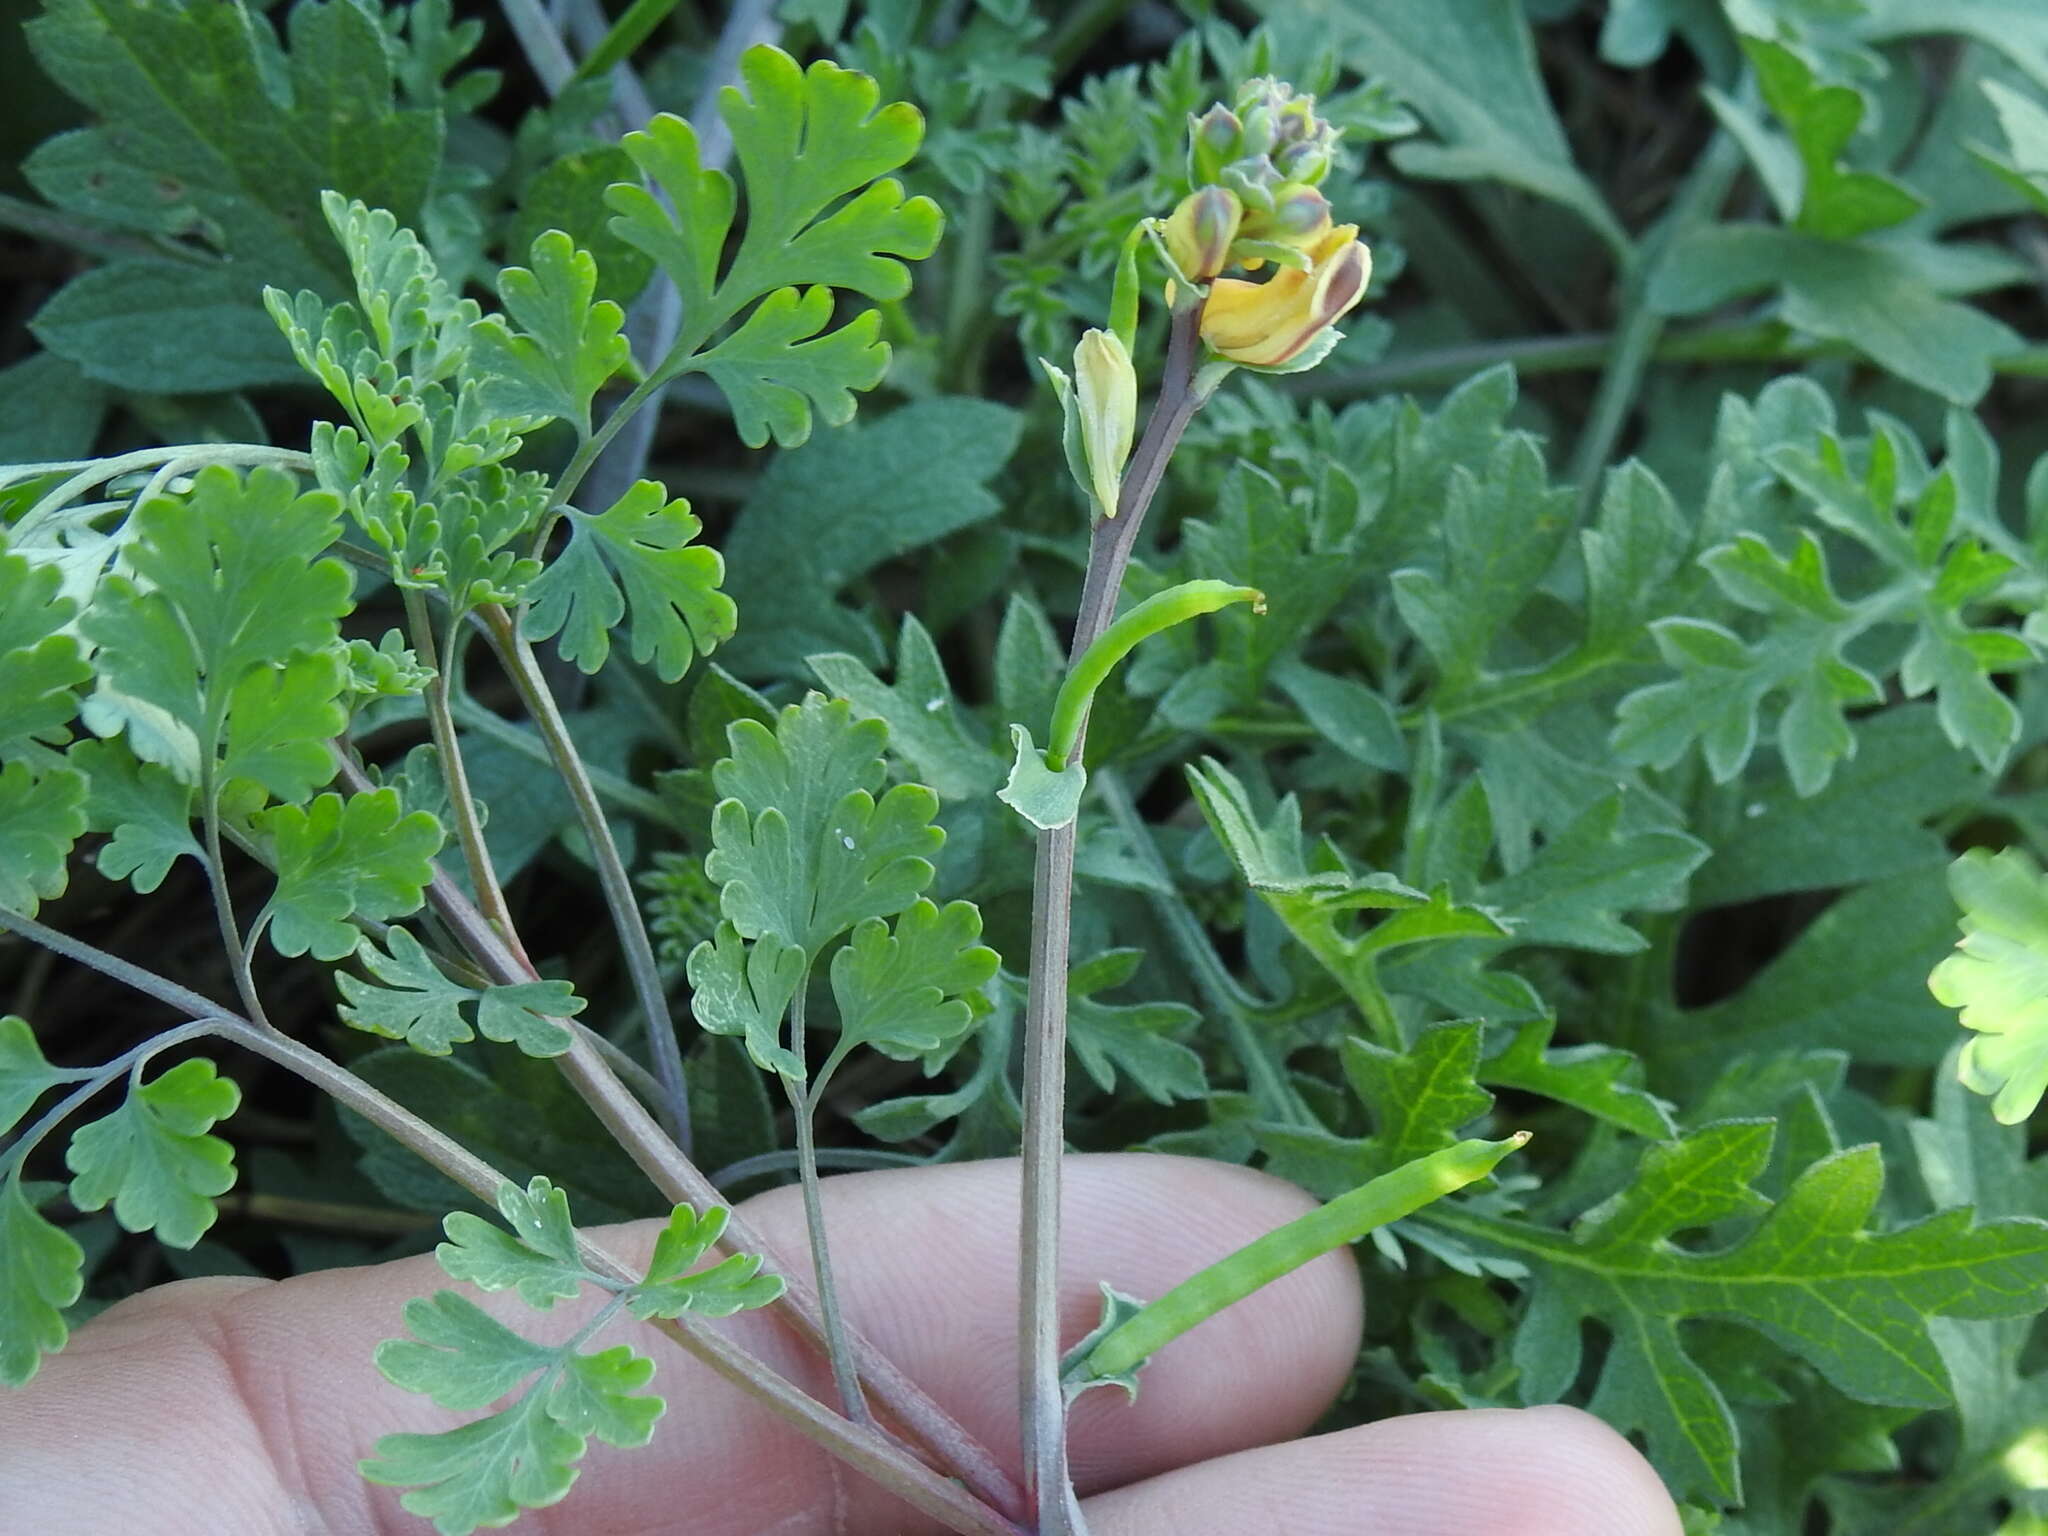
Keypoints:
pixel 1270 323
pixel 1212 143
pixel 1299 218
pixel 1199 233
pixel 1106 401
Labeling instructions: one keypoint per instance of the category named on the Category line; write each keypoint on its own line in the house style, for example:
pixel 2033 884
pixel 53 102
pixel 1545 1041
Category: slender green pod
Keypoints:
pixel 1260 1262
pixel 1176 605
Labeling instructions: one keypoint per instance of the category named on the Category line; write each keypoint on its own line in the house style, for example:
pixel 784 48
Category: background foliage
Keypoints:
pixel 1656 578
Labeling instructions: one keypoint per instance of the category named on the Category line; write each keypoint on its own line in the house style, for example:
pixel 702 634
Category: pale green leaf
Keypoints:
pixel 1998 978
pixel 905 988
pixel 537 1258
pixel 41 1273
pixel 568 343
pixel 635 561
pixel 363 857
pixel 431 1011
pixel 152 1158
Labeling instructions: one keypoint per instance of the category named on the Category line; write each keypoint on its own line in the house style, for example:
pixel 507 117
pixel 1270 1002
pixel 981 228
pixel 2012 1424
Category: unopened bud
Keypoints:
pixel 1307 161
pixel 1199 233
pixel 1300 217
pixel 1106 400
pixel 1212 143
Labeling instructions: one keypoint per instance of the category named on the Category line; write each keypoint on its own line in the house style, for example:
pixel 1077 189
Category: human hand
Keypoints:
pixel 234 1407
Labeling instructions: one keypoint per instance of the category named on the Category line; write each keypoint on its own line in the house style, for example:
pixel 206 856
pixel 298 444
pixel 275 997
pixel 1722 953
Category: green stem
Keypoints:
pixel 518 660
pixel 95 1079
pixel 588 450
pixel 804 1105
pixel 1266 1077
pixel 469 829
pixel 1703 190
pixel 223 903
pixel 104 471
pixel 1048 1484
pixel 861 1446
pixel 627 796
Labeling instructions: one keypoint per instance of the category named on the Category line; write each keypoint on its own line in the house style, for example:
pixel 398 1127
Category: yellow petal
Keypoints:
pixel 1270 322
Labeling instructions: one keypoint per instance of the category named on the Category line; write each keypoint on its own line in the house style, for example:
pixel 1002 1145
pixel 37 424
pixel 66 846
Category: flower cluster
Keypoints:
pixel 1256 167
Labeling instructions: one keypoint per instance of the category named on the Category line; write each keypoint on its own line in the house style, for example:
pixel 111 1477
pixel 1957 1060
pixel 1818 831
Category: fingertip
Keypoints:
pixel 1534 1471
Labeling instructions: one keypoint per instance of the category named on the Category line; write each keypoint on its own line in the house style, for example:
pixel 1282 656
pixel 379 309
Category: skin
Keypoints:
pixel 233 1407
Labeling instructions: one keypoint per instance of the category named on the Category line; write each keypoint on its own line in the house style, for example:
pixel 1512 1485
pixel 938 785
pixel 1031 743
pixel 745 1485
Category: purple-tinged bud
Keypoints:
pixel 1199 233
pixel 1212 143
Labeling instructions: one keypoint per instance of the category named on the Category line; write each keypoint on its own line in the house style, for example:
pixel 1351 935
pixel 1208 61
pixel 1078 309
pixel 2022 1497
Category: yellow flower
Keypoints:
pixel 1106 401
pixel 1270 322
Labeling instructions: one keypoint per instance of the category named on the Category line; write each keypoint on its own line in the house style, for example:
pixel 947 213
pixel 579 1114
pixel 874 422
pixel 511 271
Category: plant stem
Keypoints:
pixel 1641 326
pixel 844 1376
pixel 1048 1484
pixel 627 796
pixel 645 971
pixel 223 903
pixel 1264 1075
pixel 862 1446
pixel 587 452
pixel 469 829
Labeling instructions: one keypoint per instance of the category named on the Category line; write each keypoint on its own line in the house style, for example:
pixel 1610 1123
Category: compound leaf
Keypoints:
pixel 228 580
pixel 482 1473
pixel 336 859
pixel 537 1258
pixel 39 666
pixel 745 989
pixel 634 561
pixel 777 368
pixel 147 808
pixel 24 1075
pixel 280 723
pixel 674 1286
pixel 810 144
pixel 431 1011
pixel 1854 1303
pixel 153 1159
